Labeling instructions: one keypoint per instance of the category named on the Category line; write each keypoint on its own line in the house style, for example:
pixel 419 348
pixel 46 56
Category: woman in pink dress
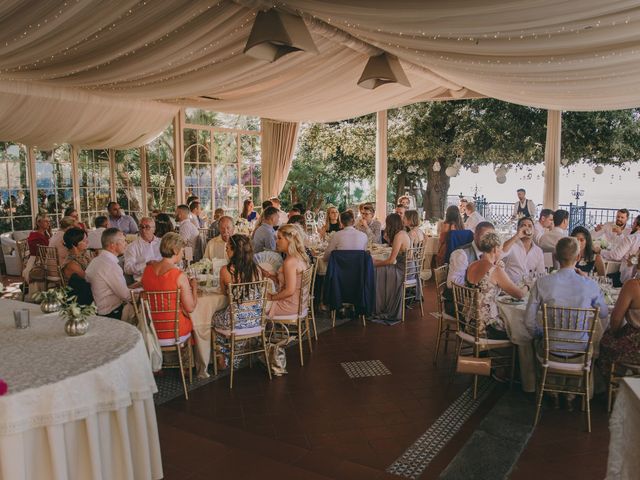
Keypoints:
pixel 289 278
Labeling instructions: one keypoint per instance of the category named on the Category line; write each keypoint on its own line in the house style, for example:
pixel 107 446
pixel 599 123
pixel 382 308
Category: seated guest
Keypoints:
pixel 302 223
pixel 240 269
pixel 588 261
pixel 165 276
pixel 214 229
pixel 57 241
pixel 621 342
pixel 164 224
pixel 565 288
pixel 142 250
pixel 289 278
pixel 119 220
pixel 623 252
pixel 466 254
pixel 473 217
pixel 404 200
pixel 346 239
pixel 543 225
pixel 400 210
pixel 73 268
pixel 94 237
pixel 248 213
pixel 282 216
pixel 549 239
pixel 266 204
pixel 40 235
pixel 412 224
pixel 369 225
pixel 195 209
pixel 188 231
pixel 216 247
pixel 522 256
pixel 452 221
pixel 488 275
pixel 331 223
pixel 107 281
pixel 390 272
pixel 299 207
pixel 292 212
pixel 613 232
pixel 72 212
pixel 264 237
pixel 462 206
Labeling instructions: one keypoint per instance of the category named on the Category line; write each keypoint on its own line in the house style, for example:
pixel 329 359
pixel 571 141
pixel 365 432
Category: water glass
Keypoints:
pixel 21 318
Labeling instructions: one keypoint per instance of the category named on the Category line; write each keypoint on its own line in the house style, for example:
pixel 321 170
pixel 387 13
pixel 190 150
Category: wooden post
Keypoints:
pixel 381 165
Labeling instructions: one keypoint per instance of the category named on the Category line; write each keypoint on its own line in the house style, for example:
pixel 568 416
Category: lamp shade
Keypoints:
pixel 275 34
pixel 382 69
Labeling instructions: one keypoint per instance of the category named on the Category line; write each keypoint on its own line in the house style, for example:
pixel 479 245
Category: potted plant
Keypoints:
pixel 76 315
pixel 51 300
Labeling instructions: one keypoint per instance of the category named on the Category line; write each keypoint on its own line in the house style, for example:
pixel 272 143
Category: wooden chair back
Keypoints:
pixel 440 277
pixel 248 298
pixel 413 264
pixel 465 300
pixel 305 290
pixel 568 332
pixel 22 248
pixel 164 309
pixel 48 258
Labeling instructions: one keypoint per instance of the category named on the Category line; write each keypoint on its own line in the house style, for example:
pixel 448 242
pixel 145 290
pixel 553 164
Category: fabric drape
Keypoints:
pixel 572 55
pixel 278 145
pixel 552 152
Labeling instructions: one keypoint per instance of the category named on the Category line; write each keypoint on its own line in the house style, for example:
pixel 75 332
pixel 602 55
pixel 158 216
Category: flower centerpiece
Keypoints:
pixel 76 315
pixel 51 300
pixel 602 243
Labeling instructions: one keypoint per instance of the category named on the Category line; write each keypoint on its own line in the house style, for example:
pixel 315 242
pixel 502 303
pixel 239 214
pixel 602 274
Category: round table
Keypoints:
pixel 77 407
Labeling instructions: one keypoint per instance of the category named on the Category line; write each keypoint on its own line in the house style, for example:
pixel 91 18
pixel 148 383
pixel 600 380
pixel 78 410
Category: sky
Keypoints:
pixel 614 188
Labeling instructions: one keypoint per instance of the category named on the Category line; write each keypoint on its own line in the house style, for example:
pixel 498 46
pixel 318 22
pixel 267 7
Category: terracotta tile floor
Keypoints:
pixel 317 423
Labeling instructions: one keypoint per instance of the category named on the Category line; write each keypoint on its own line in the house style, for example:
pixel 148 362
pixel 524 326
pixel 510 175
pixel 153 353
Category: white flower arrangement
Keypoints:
pixel 202 266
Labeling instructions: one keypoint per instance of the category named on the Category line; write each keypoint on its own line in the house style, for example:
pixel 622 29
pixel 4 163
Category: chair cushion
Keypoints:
pixel 569 368
pixel 284 318
pixel 168 342
pixel 239 331
pixel 484 342
pixel 410 283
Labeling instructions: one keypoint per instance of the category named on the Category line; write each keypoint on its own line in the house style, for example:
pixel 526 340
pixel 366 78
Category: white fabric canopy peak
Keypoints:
pixel 569 55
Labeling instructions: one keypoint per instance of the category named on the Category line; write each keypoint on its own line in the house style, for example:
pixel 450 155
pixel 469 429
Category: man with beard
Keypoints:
pixel 613 232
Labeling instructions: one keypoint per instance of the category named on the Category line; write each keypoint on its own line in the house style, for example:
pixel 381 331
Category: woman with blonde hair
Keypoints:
pixel 289 278
pixel 331 223
pixel 412 223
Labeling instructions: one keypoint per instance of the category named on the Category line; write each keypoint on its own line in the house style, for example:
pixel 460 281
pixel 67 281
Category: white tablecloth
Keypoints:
pixel 77 407
pixel 208 304
pixel 624 426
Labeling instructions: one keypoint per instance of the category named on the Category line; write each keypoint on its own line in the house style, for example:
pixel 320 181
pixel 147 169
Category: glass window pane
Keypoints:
pixel 94 180
pixel 129 181
pixel 198 116
pixel 161 175
pixel 226 147
pixel 54 181
pixel 198 166
pixel 15 197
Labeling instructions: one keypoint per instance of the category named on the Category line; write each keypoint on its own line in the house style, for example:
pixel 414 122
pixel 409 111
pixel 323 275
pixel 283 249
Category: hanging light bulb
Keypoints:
pixel 436 166
pixel 275 34
pixel 382 69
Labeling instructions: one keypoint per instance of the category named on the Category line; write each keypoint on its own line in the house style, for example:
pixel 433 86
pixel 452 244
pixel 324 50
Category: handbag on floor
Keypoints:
pixel 474 365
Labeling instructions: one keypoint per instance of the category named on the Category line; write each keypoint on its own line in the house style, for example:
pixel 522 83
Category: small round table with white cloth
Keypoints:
pixel 77 407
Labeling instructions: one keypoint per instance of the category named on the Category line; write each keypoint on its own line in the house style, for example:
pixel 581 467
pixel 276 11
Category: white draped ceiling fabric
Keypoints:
pixel 278 146
pixel 112 74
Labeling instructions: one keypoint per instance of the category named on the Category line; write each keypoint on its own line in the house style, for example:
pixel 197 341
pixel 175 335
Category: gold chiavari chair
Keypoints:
pixel 163 309
pixel 299 321
pixel 247 304
pixel 468 333
pixel 447 324
pixel 22 247
pixel 312 298
pixel 619 370
pixel 567 354
pixel 412 282
pixel 48 258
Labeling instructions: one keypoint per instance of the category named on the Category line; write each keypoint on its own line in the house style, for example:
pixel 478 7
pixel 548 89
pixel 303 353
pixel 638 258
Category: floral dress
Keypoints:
pixel 490 325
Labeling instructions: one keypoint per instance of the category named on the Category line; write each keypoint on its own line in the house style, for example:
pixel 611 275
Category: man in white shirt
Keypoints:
pixel 549 240
pixel 543 225
pixel 348 238
pixel 523 207
pixel 613 232
pixel 216 247
pixel 461 257
pixel 622 252
pixel 188 231
pixel 108 285
pixel 473 217
pixel 283 218
pixel 144 249
pixel 522 256
pixel 94 237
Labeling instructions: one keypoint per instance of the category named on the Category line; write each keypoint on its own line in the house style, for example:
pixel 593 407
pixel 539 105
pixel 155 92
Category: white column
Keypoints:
pixel 381 165
pixel 552 156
